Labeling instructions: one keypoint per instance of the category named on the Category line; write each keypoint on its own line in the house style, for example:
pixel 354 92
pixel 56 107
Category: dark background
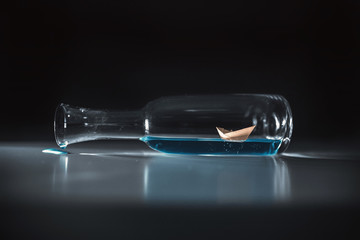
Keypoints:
pixel 122 54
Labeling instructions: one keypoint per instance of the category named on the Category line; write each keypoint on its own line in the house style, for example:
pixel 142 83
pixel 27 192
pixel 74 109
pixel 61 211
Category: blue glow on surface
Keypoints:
pixel 54 151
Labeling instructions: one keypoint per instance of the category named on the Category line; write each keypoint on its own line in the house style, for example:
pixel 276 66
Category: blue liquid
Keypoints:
pixel 212 146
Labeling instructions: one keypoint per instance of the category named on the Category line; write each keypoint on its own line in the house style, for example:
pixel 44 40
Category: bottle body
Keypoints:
pixel 187 124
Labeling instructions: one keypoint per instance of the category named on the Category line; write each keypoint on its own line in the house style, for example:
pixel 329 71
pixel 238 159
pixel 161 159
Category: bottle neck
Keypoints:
pixel 74 124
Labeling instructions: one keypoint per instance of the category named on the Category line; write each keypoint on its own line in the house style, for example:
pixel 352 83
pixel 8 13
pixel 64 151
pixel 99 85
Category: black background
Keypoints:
pixel 122 54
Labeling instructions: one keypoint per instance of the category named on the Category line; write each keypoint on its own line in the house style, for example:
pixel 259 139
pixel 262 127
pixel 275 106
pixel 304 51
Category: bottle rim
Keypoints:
pixel 60 125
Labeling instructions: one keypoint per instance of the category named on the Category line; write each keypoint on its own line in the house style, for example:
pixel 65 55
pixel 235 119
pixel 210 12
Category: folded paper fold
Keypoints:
pixel 241 134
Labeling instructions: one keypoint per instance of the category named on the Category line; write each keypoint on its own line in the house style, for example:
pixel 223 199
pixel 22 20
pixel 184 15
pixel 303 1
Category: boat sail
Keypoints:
pixel 241 134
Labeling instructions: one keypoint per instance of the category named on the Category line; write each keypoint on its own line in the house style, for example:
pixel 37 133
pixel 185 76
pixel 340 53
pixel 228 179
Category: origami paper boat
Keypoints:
pixel 241 134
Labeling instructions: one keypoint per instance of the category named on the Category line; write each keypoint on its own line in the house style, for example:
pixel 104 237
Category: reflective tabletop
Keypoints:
pixel 111 180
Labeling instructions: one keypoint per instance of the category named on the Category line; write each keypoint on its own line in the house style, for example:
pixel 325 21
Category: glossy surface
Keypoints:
pixel 128 185
pixel 131 172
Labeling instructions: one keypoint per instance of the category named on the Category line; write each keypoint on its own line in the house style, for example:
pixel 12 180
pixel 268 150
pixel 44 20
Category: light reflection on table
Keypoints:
pixel 120 191
pixel 135 175
pixel 174 179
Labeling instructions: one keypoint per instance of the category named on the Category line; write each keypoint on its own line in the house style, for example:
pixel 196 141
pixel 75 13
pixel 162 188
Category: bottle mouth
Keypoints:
pixel 60 125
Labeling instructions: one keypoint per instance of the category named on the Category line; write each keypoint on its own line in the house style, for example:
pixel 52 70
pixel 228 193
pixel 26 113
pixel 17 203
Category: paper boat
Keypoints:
pixel 241 134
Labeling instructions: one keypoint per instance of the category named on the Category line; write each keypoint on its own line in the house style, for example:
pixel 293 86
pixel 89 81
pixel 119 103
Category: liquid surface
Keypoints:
pixel 212 146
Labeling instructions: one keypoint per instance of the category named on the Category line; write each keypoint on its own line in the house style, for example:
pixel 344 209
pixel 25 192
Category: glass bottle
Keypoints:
pixel 186 124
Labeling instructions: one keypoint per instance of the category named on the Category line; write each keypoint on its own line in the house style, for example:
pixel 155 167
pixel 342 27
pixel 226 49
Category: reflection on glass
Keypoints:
pixel 186 124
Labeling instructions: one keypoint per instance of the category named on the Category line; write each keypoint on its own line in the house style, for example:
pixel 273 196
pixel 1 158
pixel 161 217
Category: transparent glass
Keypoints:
pixel 186 124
